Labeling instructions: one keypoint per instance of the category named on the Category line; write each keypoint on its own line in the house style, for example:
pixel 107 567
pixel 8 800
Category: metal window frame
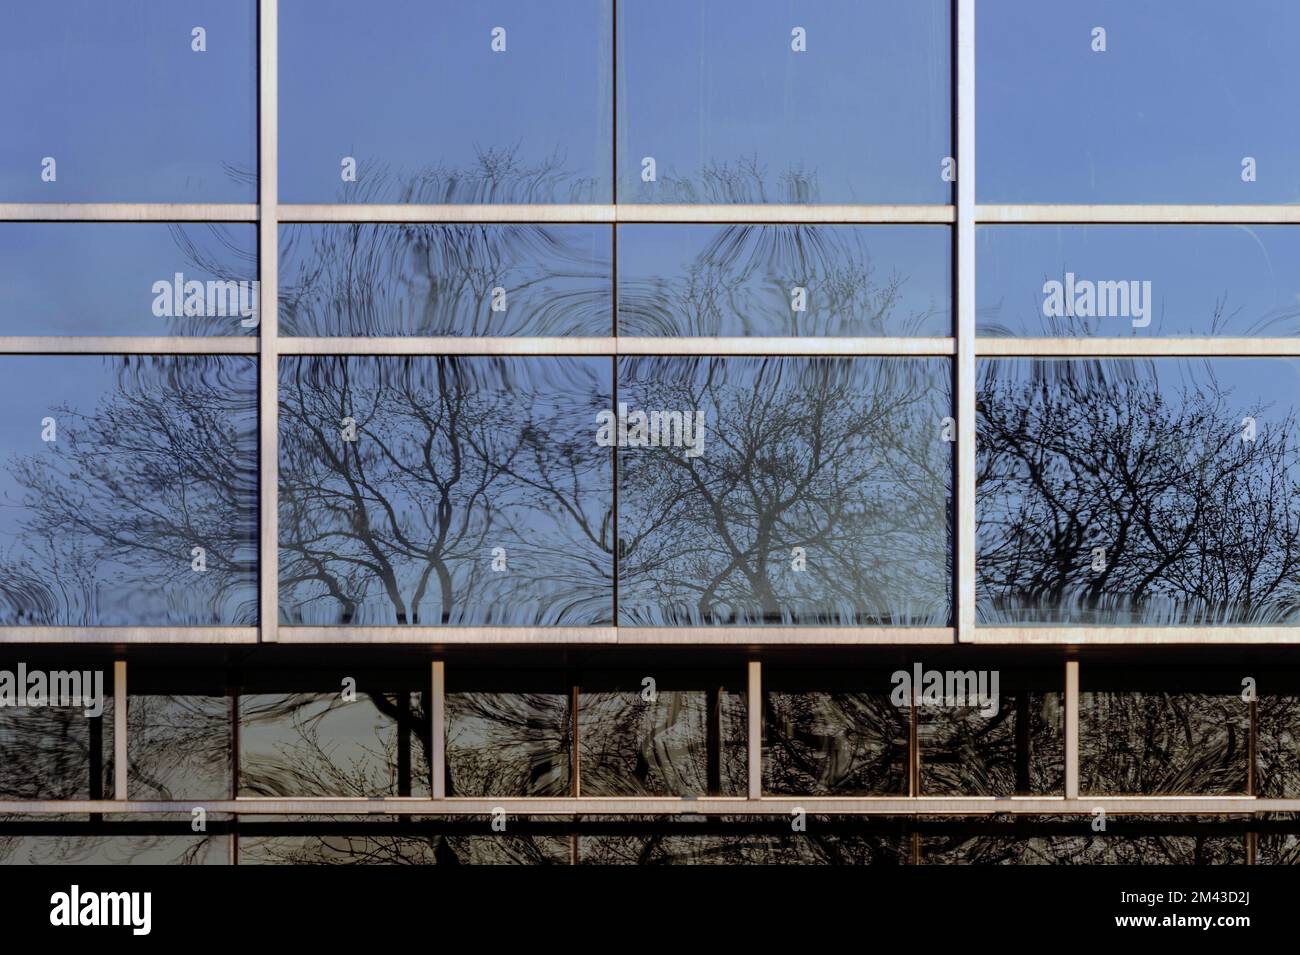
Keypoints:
pixel 963 215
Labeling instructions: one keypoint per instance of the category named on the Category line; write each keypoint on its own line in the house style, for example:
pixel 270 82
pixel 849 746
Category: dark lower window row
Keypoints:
pixel 661 730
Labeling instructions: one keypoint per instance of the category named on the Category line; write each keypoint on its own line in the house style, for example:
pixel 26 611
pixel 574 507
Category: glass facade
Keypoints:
pixel 649 432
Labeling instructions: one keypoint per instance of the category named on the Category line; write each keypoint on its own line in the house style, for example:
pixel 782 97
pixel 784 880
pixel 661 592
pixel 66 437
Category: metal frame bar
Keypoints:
pixel 121 761
pixel 964 287
pixel 1071 729
pixel 268 256
pixel 438 729
pixel 754 733
pixel 722 214
pixel 699 805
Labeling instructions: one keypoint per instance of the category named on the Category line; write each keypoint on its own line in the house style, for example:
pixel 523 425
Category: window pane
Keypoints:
pixel 130 486
pixel 125 106
pixel 731 112
pixel 431 113
pixel 1127 840
pixel 179 728
pixel 742 280
pixel 1161 733
pixel 56 729
pixel 683 734
pixel 830 840
pixel 1183 93
pixel 509 733
pixel 1278 745
pixel 1138 492
pixel 801 491
pixel 1011 743
pixel 474 280
pixel 111 848
pixel 1138 281
pixel 360 733
pixel 833 733
pixel 136 278
pixel 444 491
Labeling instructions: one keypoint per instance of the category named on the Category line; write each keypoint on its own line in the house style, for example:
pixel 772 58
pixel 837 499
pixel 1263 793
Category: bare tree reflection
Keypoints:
pixel 1091 464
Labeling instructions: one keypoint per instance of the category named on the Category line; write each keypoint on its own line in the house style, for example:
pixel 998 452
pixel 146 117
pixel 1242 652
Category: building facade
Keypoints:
pixel 650 431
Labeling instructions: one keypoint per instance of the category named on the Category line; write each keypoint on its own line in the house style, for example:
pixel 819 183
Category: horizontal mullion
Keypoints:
pixel 623 212
pixel 465 345
pixel 140 635
pixel 1134 636
pixel 1150 214
pixel 776 636
pixel 1136 347
pixel 668 806
pixel 127 212
pixel 621 636
pixel 650 213
pixel 127 345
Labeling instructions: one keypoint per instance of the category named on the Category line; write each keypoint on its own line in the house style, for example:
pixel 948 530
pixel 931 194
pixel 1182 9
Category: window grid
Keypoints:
pixel 963 346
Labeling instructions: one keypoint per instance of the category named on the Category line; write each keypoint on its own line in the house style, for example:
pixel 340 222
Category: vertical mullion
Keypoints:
pixel 119 730
pixel 438 729
pixel 965 328
pixel 1071 729
pixel 754 738
pixel 268 363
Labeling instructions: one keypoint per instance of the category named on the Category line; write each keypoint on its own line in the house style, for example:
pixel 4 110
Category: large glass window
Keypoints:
pixel 495 101
pixel 798 281
pixel 1117 102
pixel 796 491
pixel 133 278
pixel 129 102
pixel 834 102
pixel 444 491
pixel 130 490
pixel 1138 492
pixel 470 280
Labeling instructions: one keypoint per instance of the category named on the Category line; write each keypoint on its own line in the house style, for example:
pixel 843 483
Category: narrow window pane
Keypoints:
pixel 180 734
pixel 1132 281
pixel 485 102
pixel 358 733
pixel 1278 742
pixel 786 491
pixel 682 734
pixel 1172 732
pixel 1010 744
pixel 130 485
pixel 56 752
pixel 728 110
pixel 509 733
pixel 798 280
pixel 833 733
pixel 1138 492
pixel 133 278
pixel 472 280
pixel 444 491
pixel 125 106
pixel 1183 94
